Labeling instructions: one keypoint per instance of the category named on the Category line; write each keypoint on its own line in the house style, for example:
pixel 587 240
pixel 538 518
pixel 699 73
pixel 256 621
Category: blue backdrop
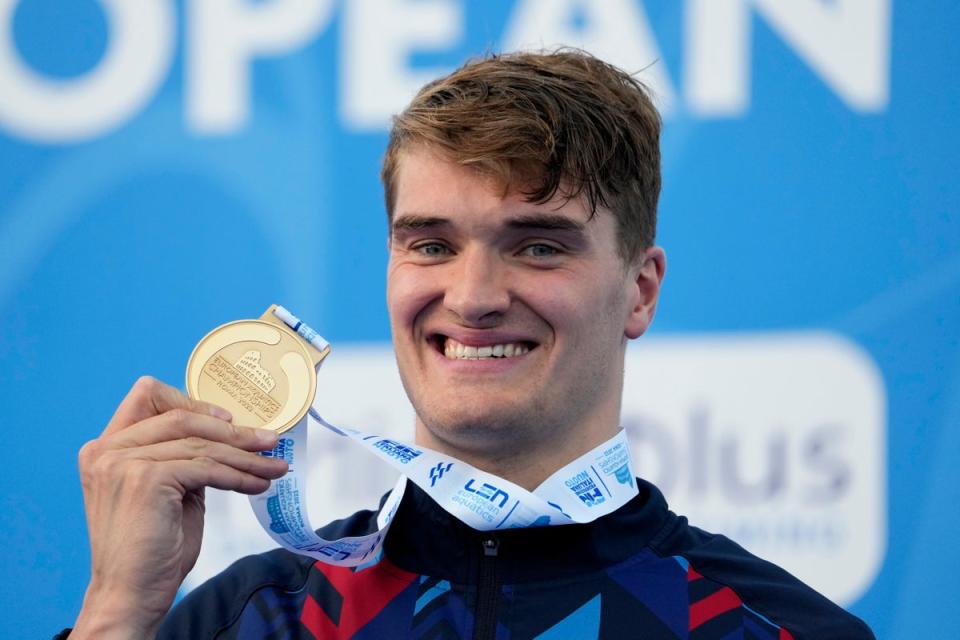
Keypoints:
pixel 166 168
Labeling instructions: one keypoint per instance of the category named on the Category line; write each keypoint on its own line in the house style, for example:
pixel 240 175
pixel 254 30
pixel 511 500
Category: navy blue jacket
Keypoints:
pixel 641 572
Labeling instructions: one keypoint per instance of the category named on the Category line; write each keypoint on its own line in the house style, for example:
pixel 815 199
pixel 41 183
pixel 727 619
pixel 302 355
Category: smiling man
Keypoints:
pixel 509 317
pixel 521 193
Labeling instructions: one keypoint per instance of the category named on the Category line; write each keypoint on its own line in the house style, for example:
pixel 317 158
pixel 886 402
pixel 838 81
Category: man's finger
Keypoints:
pixel 205 472
pixel 199 449
pixel 178 424
pixel 149 397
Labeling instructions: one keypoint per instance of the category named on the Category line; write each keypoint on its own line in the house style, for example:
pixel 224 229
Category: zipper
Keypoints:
pixel 488 591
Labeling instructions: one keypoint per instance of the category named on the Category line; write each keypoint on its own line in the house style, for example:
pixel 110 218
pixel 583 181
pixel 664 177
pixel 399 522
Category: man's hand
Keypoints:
pixel 143 482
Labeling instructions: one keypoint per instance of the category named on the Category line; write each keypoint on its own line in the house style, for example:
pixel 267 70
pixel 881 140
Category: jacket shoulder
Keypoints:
pixel 272 580
pixel 720 570
pixel 219 602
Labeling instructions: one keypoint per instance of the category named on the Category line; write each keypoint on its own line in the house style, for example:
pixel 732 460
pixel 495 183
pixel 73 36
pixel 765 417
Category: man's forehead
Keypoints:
pixel 434 191
pixel 419 167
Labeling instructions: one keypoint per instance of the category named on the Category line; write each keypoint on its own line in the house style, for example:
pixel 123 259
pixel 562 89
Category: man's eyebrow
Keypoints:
pixel 546 221
pixel 531 221
pixel 416 222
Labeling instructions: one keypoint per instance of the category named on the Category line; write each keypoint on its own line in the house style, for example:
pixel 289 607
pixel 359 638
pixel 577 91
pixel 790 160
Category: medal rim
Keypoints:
pixel 191 362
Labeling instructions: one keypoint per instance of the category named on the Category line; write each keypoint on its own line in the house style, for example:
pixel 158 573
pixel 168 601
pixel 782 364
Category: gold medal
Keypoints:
pixel 259 370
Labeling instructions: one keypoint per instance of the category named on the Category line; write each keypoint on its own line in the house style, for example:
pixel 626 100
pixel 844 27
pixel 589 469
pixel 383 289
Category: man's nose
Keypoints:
pixel 477 290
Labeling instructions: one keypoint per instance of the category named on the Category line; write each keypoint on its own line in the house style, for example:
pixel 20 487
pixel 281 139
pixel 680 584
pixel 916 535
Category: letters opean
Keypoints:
pixel 846 43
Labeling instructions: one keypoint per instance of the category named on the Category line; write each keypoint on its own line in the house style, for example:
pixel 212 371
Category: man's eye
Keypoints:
pixel 432 249
pixel 540 250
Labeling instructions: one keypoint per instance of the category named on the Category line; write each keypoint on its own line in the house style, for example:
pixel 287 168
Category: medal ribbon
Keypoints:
pixel 595 484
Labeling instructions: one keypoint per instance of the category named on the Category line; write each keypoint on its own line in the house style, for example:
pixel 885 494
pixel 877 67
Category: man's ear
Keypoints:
pixel 646 275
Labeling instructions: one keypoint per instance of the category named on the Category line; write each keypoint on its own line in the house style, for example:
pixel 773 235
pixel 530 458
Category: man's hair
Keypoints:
pixel 547 123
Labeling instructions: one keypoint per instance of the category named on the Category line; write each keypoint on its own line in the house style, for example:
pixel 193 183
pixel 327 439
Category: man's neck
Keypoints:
pixel 525 464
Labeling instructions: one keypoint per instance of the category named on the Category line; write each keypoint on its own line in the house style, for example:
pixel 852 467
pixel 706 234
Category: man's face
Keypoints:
pixel 509 319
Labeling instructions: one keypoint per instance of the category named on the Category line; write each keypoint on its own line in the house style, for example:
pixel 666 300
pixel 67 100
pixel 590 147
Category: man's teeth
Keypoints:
pixel 457 351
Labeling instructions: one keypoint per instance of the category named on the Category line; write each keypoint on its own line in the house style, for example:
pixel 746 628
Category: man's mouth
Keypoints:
pixel 454 350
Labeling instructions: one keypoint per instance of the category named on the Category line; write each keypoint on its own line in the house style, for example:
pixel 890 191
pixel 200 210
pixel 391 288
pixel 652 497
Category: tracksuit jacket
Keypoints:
pixel 640 572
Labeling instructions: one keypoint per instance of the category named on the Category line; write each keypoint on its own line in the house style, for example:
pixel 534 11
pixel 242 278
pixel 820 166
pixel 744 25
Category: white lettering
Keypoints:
pixel 139 50
pixel 223 38
pixel 378 37
pixel 846 42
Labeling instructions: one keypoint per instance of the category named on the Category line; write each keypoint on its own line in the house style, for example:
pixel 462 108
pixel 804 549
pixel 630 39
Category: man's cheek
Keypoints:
pixel 408 297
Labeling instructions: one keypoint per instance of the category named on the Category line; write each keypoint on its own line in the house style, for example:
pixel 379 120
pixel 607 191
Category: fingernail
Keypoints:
pixel 266 436
pixel 220 412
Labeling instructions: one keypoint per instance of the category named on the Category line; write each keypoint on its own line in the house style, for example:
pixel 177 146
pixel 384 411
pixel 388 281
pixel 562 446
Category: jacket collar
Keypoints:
pixel 425 539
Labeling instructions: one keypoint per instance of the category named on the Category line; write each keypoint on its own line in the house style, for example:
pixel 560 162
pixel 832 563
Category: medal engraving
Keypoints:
pixel 259 370
pixel 229 379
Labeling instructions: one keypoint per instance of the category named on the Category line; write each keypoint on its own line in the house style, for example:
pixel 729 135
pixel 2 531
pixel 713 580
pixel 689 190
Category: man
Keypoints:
pixel 521 194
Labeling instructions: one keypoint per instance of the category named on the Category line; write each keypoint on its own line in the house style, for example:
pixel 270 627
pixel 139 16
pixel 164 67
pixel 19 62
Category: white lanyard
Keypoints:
pixel 595 484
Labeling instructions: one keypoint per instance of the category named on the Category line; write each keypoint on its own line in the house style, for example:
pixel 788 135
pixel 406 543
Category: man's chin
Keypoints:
pixel 476 431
